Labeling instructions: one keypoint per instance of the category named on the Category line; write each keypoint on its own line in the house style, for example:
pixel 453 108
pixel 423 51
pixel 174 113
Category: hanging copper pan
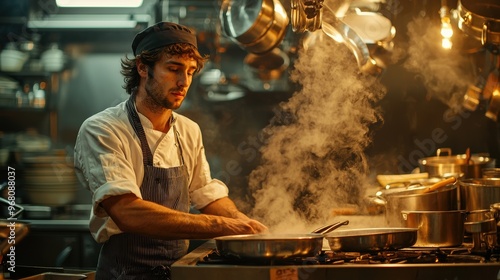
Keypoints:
pixel 258 26
pixel 480 19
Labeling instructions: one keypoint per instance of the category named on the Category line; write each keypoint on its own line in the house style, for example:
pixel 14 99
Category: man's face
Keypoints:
pixel 168 82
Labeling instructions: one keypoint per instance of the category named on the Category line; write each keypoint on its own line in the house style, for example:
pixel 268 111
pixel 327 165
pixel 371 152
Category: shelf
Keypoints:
pixel 23 109
pixel 27 73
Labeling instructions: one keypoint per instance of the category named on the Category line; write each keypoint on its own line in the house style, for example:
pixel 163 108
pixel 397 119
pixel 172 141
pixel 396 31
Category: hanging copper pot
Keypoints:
pixel 256 25
pixel 481 20
pixel 306 15
pixel 491 91
pixel 268 66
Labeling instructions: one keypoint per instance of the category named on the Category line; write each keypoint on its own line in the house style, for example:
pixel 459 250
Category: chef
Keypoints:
pixel 145 164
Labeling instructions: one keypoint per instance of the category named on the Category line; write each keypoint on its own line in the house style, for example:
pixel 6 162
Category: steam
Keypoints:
pixel 314 160
pixel 441 71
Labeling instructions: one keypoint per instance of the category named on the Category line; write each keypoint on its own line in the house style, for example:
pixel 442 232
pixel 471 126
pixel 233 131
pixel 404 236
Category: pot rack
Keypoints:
pixel 345 25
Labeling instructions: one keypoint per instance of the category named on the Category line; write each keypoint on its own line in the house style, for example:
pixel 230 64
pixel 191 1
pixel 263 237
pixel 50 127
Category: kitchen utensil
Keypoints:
pixel 268 66
pixel 273 246
pixel 371 239
pixel 480 20
pixel 256 25
pixel 483 226
pixel 370 26
pixel 495 209
pixel 12 60
pixel 306 15
pixel 51 196
pixel 53 59
pixel 438 185
pixel 479 193
pixel 341 32
pixel 455 165
pixel 494 105
pixel 385 180
pixel 444 198
pixel 436 228
pixel 491 172
pixel 492 81
pixel 472 97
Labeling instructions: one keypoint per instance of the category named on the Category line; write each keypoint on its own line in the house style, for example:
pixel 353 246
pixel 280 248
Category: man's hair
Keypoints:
pixel 149 58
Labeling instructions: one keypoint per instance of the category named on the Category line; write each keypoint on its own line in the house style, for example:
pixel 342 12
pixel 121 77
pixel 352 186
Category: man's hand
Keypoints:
pixel 257 226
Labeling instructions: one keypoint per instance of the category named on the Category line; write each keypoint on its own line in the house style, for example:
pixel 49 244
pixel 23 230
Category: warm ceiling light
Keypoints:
pixel 99 3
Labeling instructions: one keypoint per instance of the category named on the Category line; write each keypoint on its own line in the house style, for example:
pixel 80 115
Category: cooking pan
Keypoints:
pixel 262 247
pixel 372 239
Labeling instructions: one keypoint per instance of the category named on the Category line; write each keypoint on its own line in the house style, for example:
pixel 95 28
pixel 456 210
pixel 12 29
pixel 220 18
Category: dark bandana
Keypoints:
pixel 162 34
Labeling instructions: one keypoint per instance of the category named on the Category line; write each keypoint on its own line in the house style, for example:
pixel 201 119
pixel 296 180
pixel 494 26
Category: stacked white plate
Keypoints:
pixel 50 180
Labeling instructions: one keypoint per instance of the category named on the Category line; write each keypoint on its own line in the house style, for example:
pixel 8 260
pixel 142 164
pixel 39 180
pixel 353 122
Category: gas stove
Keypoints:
pixel 411 263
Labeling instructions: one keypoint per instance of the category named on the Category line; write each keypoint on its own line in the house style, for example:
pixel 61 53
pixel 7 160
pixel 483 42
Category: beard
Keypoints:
pixel 156 100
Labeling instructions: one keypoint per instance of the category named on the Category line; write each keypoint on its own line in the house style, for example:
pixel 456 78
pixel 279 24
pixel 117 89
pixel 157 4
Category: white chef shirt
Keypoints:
pixel 109 161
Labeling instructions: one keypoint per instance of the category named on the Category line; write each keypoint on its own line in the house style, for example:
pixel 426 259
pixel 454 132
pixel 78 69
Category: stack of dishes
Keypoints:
pixel 8 89
pixel 50 180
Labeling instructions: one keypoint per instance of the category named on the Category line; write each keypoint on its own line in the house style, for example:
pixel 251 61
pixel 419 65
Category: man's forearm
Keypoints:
pixel 135 215
pixel 223 207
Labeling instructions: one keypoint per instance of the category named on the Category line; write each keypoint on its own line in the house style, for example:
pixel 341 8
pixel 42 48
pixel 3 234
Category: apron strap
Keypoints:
pixel 139 131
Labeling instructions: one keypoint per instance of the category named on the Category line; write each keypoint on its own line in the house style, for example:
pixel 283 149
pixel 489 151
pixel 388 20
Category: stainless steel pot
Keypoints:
pixel 416 199
pixel 256 25
pixel 480 19
pixel 479 193
pixel 455 165
pixel 436 228
pixel 268 66
pixel 273 246
pixel 491 172
pixel 371 239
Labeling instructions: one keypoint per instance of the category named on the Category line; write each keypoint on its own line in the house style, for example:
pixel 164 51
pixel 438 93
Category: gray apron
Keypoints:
pixel 131 256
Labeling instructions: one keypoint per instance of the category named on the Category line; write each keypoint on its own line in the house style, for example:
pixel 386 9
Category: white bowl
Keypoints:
pixel 50 180
pixel 12 60
pixel 51 197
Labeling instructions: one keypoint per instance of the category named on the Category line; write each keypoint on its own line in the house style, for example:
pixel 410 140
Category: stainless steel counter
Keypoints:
pixel 69 217
pixel 189 268
pixel 71 225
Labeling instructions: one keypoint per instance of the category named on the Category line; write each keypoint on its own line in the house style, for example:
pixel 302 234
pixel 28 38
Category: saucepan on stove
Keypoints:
pixel 436 228
pixel 421 196
pixel 273 246
pixel 371 239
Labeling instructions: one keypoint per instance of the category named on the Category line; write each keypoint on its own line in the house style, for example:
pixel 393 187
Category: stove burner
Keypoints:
pixel 404 256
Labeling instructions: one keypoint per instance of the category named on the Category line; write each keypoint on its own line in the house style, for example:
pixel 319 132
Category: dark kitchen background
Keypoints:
pixel 420 110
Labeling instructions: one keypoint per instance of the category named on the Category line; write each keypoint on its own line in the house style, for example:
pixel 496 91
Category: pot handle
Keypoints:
pixel 329 228
pixel 378 199
pixel 445 150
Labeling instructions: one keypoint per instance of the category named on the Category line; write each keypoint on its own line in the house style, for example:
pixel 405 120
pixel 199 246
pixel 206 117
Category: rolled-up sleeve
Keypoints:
pixel 101 163
pixel 212 191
